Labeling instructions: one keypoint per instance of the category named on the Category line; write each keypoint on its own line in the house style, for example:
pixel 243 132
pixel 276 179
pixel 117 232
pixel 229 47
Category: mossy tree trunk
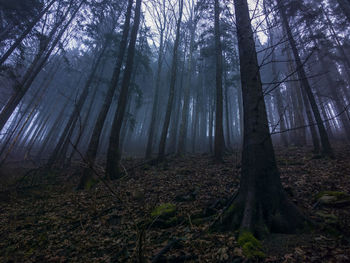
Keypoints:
pixel 261 204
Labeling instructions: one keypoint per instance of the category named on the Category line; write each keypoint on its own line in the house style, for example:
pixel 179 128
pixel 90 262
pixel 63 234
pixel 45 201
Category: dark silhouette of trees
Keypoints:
pixel 219 143
pixel 114 154
pixel 163 136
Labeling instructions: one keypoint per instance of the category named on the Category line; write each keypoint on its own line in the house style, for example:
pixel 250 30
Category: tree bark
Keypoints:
pixel 33 71
pixel 92 149
pixel 162 143
pixel 155 98
pixel 25 33
pixel 114 151
pixel 326 146
pixel 261 204
pixel 219 141
pixel 185 111
pixel 76 111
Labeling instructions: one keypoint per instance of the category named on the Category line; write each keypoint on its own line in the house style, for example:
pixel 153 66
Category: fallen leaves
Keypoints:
pixel 56 224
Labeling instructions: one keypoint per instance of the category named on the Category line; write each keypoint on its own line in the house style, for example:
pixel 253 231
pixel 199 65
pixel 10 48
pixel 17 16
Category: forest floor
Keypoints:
pixel 162 213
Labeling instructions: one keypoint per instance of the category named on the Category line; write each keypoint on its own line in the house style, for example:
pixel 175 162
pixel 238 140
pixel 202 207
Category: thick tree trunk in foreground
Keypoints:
pixel 162 143
pixel 114 151
pixel 261 204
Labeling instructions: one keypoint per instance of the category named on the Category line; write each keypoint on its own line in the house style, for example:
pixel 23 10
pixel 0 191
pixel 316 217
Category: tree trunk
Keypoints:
pixel 76 111
pixel 185 111
pixel 219 142
pixel 163 137
pixel 114 152
pixel 25 33
pixel 32 72
pixel 92 149
pixel 155 98
pixel 261 204
pixel 277 93
pixel 326 147
pixel 227 115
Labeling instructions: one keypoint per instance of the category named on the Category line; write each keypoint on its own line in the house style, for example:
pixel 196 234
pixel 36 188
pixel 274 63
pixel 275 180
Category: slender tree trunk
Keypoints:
pixel 156 98
pixel 277 93
pixel 219 141
pixel 163 137
pixel 92 149
pixel 185 111
pixel 344 56
pixel 326 147
pixel 211 120
pixel 32 72
pixel 84 124
pixel 76 111
pixel 36 135
pixel 335 94
pixel 114 152
pixel 25 33
pixel 53 130
pixel 227 115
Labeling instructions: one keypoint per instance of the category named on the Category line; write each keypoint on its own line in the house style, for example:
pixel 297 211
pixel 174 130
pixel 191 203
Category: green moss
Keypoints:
pixel 29 253
pixel 251 247
pixel 91 183
pixel 164 210
pixel 250 251
pixel 338 195
pixel 231 208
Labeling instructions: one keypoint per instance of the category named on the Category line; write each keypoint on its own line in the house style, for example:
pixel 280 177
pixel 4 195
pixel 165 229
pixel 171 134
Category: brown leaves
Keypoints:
pixel 57 225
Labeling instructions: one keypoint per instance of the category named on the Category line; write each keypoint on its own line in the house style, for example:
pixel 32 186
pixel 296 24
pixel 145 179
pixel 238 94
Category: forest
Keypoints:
pixel 175 131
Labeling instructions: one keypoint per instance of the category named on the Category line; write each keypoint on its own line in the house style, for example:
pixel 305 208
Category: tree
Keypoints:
pixel 77 108
pixel 97 131
pixel 25 33
pixel 326 146
pixel 162 143
pixel 192 26
pixel 162 25
pixel 22 87
pixel 219 142
pixel 114 151
pixel 261 203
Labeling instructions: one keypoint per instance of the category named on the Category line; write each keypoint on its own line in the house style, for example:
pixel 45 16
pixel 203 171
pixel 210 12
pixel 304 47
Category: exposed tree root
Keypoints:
pixel 261 215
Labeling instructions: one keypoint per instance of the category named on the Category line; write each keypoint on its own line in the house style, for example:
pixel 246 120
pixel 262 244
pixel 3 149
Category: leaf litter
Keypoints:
pixel 55 223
